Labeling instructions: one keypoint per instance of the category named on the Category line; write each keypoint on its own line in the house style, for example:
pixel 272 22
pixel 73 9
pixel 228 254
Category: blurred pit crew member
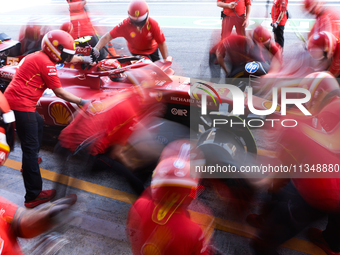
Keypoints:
pixel 323 46
pixel 82 26
pixel 35 73
pixel 279 19
pixel 327 19
pixel 233 52
pixel 235 13
pixel 17 222
pixel 270 50
pixel 30 37
pixel 142 33
pixel 159 221
pixel 107 125
pixel 305 199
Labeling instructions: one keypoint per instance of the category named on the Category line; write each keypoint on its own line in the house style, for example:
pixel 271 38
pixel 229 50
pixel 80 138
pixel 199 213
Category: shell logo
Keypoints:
pixel 60 113
pixel 55 43
pixel 268 105
pixel 132 34
pixel 96 107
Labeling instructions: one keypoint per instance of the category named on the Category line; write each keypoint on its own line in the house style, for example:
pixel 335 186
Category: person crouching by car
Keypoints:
pixel 35 73
pixel 142 33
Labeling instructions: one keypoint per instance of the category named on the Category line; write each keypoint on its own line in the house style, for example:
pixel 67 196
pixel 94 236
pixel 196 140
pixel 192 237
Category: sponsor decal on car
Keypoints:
pixel 6 75
pixel 252 67
pixel 179 112
pixel 12 61
pixel 60 113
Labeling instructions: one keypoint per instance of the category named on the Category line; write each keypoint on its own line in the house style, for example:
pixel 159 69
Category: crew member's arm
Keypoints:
pixel 282 13
pixel 246 20
pixel 220 59
pixel 82 59
pixel 226 5
pixel 163 48
pixel 67 96
pixel 103 41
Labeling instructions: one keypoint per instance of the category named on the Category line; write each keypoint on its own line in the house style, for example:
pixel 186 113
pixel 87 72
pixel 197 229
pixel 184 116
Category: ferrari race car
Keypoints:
pixel 197 104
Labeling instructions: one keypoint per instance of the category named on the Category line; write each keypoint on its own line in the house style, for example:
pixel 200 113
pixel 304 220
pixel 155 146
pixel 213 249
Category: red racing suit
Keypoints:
pixel 278 7
pixel 272 51
pixel 144 41
pixel 237 51
pixel 8 242
pixel 234 17
pixel 314 150
pixel 82 25
pixel 175 233
pixel 327 20
pixel 335 65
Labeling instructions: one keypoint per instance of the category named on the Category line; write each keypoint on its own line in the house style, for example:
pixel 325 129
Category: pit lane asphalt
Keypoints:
pixel 104 198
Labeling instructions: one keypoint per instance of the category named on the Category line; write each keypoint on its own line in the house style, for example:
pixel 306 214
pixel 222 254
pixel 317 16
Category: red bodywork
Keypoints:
pixel 91 83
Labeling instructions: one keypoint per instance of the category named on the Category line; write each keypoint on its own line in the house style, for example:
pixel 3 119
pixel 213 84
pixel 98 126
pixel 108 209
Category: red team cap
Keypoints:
pixel 321 45
pixel 59 46
pixel 261 35
pixel 138 12
pixel 172 181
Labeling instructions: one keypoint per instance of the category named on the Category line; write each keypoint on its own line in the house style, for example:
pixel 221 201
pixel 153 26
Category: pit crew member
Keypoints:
pixel 35 73
pixel 142 33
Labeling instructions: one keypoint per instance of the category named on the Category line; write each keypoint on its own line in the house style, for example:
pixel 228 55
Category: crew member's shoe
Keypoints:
pixel 315 235
pixel 39 161
pixel 43 197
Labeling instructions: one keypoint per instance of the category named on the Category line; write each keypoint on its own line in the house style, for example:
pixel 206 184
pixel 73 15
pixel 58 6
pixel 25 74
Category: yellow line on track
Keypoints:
pixel 220 224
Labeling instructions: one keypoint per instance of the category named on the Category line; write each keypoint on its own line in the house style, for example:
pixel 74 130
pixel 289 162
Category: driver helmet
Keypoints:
pixel 109 64
pixel 67 27
pixel 171 181
pixel 313 6
pixel 322 45
pixel 138 12
pixel 59 46
pixel 7 133
pixel 262 35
